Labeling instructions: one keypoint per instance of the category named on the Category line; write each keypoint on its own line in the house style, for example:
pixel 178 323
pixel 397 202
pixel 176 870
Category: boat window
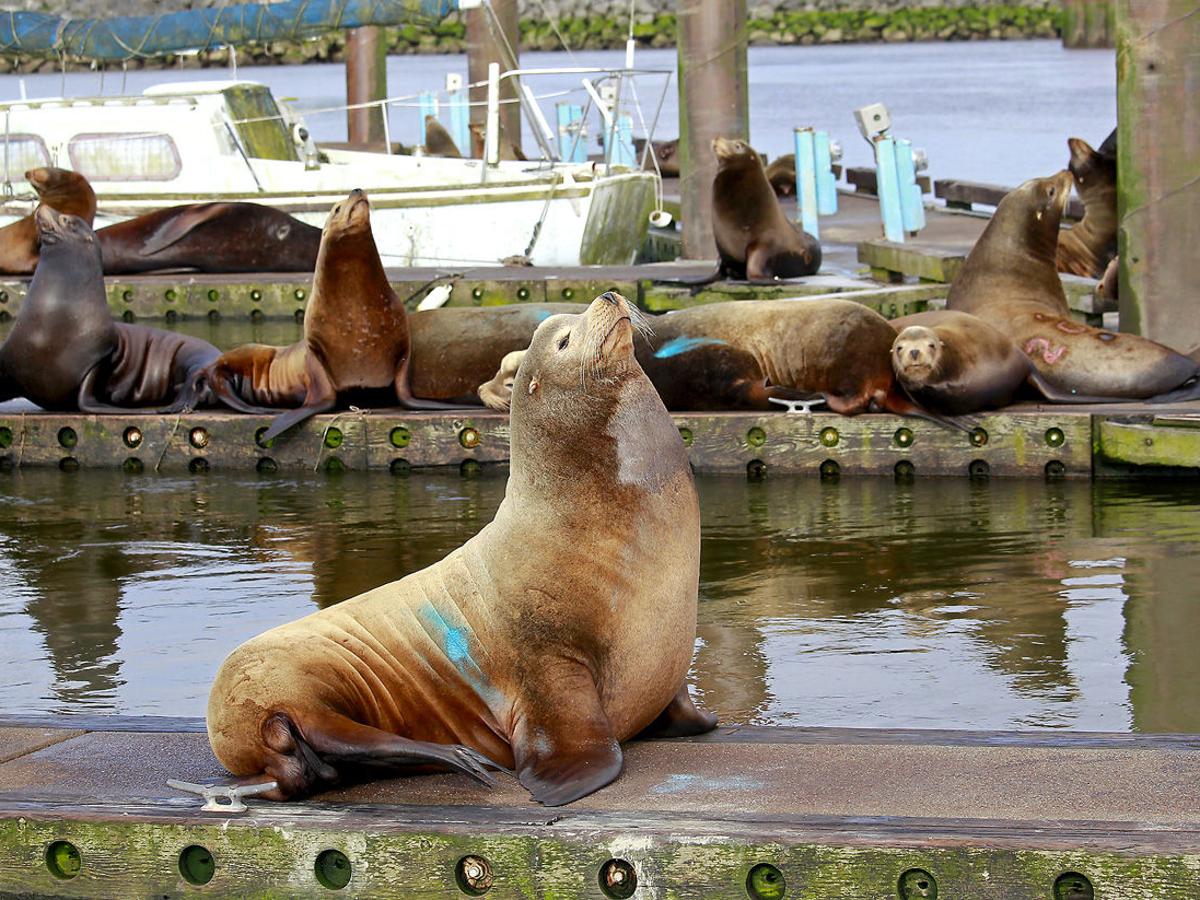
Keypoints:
pixel 20 152
pixel 261 128
pixel 125 156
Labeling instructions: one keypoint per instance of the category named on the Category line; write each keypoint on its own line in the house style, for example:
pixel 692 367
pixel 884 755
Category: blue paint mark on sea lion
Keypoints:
pixel 543 315
pixel 455 643
pixel 678 345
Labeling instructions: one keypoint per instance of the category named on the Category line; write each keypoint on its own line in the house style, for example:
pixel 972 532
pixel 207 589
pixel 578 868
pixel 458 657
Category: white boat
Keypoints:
pixel 230 140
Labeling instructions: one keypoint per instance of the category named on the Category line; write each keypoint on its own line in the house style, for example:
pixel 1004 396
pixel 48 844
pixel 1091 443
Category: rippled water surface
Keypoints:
pixel 944 603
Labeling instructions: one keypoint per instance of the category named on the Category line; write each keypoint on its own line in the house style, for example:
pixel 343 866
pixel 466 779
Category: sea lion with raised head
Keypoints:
pixel 564 627
pixel 66 353
pixel 210 237
pixel 438 141
pixel 755 240
pixel 356 336
pixel 955 363
pixel 60 189
pixel 1087 247
pixel 1009 280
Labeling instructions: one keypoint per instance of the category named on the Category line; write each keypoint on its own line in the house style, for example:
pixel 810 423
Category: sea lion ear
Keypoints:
pixel 533 385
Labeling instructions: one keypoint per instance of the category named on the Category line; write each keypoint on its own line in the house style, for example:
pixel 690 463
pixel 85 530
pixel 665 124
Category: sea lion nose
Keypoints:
pixel 357 192
pixel 914 353
pixel 611 297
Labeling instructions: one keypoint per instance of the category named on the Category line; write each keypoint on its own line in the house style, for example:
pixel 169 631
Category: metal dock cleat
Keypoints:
pixel 798 406
pixel 226 798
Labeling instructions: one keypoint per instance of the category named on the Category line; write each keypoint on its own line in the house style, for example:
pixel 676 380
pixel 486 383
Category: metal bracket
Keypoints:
pixel 225 798
pixel 804 407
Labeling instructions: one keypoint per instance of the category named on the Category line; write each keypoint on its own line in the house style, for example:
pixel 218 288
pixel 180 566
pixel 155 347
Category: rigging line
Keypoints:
pixel 557 33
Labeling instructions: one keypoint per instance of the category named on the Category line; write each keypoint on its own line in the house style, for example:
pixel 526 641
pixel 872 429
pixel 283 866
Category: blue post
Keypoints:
pixel 621 153
pixel 572 142
pixel 460 115
pixel 827 200
pixel 912 209
pixel 888 186
pixel 427 105
pixel 806 181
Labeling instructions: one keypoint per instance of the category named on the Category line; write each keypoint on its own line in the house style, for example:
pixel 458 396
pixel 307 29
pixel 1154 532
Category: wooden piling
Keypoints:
pixel 366 81
pixel 713 102
pixel 1088 24
pixel 494 39
pixel 1158 168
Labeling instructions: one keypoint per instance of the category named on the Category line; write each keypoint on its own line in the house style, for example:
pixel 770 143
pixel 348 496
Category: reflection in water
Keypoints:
pixel 944 603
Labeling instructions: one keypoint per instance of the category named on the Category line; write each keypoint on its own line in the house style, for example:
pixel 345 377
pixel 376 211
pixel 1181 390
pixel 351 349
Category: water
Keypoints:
pixel 997 111
pixel 944 603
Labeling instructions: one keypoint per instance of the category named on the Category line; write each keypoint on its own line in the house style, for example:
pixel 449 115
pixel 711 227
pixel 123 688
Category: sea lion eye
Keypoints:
pixel 562 345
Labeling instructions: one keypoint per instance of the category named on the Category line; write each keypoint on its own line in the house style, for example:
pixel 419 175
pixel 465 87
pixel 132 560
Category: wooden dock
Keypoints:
pixel 796 813
pixel 1024 440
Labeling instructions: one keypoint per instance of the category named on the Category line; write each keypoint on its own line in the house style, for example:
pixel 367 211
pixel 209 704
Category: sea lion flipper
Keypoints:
pixel 88 402
pixel 758 262
pixel 180 226
pixel 1055 394
pixel 681 718
pixel 566 751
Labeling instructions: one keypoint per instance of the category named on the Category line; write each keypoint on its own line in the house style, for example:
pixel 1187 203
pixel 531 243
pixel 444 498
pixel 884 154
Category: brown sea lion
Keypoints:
pixel 210 237
pixel 755 240
pixel 356 335
pixel 1087 247
pixel 1009 280
pixel 725 356
pixel 60 189
pixel 508 150
pixel 542 660
pixel 438 141
pixel 781 173
pixel 665 153
pixel 1109 288
pixel 955 363
pixel 455 348
pixel 65 352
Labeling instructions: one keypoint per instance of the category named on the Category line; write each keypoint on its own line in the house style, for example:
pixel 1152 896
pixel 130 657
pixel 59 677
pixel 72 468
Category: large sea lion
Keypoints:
pixel 60 189
pixel 1009 280
pixel 1087 247
pixel 210 237
pixel 955 363
pixel 356 336
pixel 563 628
pixel 65 352
pixel 725 356
pixel 755 240
pixel 455 348
pixel 438 141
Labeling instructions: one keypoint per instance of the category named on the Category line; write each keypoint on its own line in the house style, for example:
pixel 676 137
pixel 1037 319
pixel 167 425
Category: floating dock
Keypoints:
pixel 766 813
pixel 1023 440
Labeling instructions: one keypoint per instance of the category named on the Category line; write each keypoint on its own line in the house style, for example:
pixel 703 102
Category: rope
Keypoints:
pixel 167 442
pixel 362 417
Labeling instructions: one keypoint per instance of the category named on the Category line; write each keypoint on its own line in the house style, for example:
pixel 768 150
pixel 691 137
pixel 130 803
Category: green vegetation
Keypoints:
pixel 596 32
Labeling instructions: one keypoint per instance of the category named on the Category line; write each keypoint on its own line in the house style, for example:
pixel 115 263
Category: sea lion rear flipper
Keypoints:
pixel 175 230
pixel 681 718
pixel 565 750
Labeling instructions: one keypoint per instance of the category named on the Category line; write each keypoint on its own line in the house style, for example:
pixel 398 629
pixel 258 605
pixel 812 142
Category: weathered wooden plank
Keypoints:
pixel 924 261
pixel 1056 441
pixel 960 194
pixel 865 181
pixel 1143 443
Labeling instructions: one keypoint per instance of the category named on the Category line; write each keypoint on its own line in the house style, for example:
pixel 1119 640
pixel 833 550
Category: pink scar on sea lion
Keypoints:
pixel 1040 344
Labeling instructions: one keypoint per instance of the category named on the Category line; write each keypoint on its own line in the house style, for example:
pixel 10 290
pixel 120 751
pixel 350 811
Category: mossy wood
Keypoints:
pixel 1055 442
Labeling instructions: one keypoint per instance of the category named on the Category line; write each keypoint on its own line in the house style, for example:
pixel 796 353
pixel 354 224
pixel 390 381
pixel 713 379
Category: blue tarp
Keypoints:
pixel 116 39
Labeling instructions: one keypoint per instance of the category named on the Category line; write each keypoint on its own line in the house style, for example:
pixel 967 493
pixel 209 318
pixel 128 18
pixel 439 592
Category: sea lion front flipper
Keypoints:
pixel 1054 394
pixel 758 259
pixel 408 401
pixel 681 718
pixel 565 751
pixel 182 225
pixel 88 402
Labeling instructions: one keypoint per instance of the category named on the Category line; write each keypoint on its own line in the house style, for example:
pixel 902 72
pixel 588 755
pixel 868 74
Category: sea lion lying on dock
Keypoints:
pixel 726 356
pixel 66 353
pixel 210 237
pixel 541 658
pixel 1010 281
pixel 356 336
pixel 955 363
pixel 755 240
pixel 1087 247
pixel 61 190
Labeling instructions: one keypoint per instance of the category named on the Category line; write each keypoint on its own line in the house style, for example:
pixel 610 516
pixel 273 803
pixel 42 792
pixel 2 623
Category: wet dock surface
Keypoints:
pixel 837 812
